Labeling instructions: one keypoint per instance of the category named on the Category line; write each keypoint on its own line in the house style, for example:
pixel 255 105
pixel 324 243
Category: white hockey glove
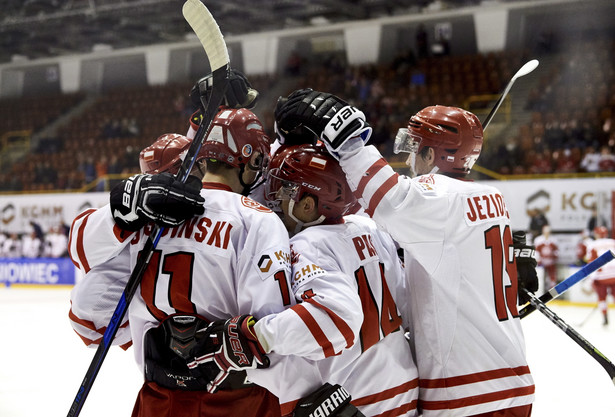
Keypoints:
pixel 239 93
pixel 159 198
pixel 329 117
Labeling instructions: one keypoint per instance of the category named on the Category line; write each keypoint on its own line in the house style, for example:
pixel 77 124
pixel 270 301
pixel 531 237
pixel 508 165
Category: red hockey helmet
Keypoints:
pixel 310 169
pixel 234 136
pixel 601 232
pixel 456 135
pixel 165 154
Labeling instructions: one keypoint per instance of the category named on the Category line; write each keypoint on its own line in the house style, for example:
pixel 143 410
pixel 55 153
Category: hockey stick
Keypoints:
pixel 208 32
pixel 574 335
pixel 524 70
pixel 563 286
pixel 591 313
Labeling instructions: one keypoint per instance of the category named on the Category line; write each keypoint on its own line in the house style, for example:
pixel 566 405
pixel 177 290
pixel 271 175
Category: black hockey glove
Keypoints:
pixel 239 93
pixel 330 118
pixel 328 400
pixel 525 256
pixel 230 345
pixel 159 198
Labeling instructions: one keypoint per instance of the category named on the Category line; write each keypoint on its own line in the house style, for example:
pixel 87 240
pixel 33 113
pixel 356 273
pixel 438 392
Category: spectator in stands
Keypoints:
pixel 567 160
pixel 12 246
pixel 542 163
pixel 595 221
pixel 31 245
pixel 607 160
pixel 56 243
pixel 591 160
pixel 547 250
pixel 3 237
pixel 537 204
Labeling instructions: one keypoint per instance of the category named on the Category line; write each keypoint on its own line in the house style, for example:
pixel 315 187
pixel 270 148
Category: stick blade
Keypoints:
pixel 527 68
pixel 206 29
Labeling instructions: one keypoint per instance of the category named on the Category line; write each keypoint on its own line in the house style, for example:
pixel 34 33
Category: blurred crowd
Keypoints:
pixel 35 242
pixel 571 129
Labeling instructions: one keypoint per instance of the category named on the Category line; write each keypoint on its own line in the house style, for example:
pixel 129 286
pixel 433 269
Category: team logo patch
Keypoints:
pixel 246 150
pixel 271 261
pixel 249 203
pixel 264 263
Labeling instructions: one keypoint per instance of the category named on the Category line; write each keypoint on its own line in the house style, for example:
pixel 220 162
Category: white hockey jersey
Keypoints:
pixel 460 268
pixel 596 248
pixel 348 325
pixel 232 260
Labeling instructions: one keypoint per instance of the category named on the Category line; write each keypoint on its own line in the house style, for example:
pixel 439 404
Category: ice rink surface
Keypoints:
pixel 42 362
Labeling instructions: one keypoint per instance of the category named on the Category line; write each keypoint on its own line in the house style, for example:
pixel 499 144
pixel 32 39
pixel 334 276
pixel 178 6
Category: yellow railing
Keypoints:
pixel 15 139
pixel 480 106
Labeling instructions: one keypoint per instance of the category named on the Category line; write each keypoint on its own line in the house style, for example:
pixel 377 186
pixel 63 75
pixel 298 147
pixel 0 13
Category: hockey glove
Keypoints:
pixel 328 400
pixel 230 345
pixel 159 198
pixel 239 93
pixel 329 117
pixel 525 256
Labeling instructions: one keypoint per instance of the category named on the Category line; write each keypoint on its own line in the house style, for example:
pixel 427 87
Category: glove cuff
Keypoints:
pixel 346 123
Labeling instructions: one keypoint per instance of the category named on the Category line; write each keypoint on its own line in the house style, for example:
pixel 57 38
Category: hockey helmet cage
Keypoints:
pixel 309 169
pixel 234 136
pixel 456 135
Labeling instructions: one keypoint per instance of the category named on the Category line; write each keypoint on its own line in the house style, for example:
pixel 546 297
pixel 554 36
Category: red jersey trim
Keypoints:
pixel 341 325
pixel 380 193
pixel 315 329
pixel 472 378
pixel 79 242
pixel 371 171
pixel 478 399
pixel 399 411
pixel 387 393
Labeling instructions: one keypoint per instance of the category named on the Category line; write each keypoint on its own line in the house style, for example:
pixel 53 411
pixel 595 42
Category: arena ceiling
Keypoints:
pixel 47 28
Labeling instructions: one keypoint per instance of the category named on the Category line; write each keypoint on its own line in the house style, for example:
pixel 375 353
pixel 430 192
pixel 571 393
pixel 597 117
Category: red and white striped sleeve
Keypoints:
pixel 326 321
pixel 94 299
pixel 95 238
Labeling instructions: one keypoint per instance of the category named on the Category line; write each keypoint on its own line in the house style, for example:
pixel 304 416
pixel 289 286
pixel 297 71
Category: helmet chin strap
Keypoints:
pixel 247 188
pixel 300 225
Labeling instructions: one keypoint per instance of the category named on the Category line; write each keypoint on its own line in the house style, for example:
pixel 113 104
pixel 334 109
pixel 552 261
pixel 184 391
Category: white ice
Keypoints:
pixel 42 362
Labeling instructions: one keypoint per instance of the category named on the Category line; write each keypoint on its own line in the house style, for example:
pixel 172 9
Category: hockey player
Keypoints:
pixel 548 254
pixel 458 251
pixel 349 282
pixel 603 280
pixel 96 239
pixel 232 260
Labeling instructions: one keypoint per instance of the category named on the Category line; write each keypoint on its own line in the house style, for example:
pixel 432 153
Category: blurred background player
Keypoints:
pixel 547 250
pixel 458 251
pixel 603 280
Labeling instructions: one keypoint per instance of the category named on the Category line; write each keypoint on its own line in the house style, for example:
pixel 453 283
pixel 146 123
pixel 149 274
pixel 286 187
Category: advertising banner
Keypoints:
pixel 39 271
pixel 47 210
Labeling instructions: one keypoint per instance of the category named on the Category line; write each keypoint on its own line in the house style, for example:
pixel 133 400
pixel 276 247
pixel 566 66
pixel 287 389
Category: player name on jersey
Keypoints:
pixel 481 208
pixel 201 229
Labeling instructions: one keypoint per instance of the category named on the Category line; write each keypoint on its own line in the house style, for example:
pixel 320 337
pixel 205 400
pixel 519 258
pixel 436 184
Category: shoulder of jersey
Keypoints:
pixel 254 205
